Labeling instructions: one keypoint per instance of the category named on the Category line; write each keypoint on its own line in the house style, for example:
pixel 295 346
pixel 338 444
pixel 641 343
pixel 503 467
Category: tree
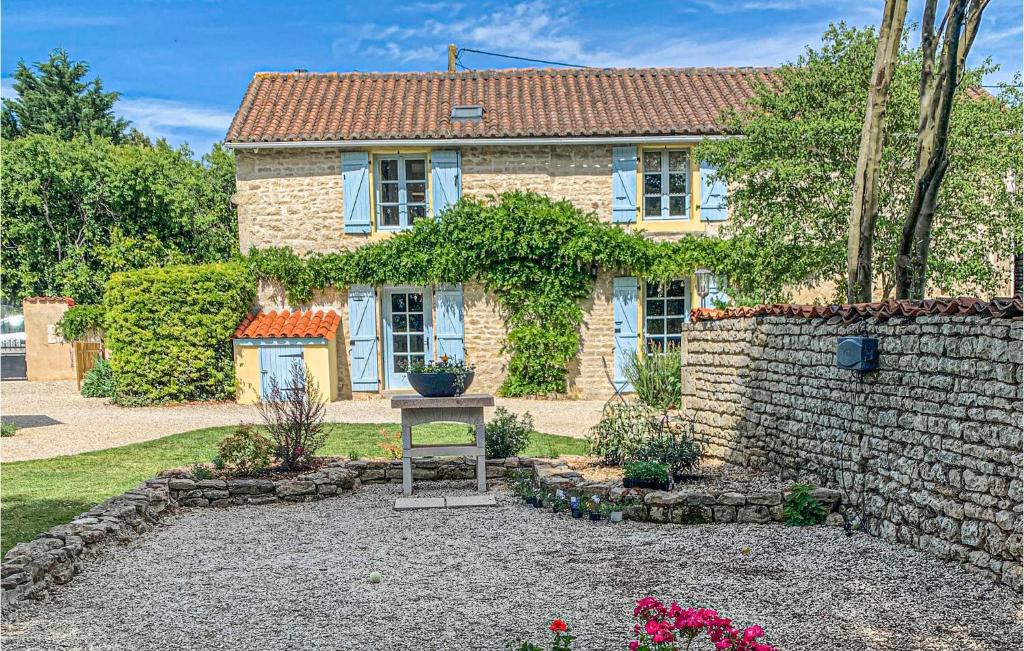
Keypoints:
pixel 793 172
pixel 77 210
pixel 864 213
pixel 53 99
pixel 937 90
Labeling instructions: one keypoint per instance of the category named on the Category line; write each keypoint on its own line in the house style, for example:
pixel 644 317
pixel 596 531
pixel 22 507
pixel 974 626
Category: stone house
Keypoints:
pixel 332 161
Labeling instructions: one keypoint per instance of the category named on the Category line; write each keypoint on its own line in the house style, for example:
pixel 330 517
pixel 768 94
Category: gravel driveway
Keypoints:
pixel 294 576
pixel 83 424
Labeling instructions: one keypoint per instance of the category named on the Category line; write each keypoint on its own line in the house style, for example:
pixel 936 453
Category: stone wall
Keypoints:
pixel 927 450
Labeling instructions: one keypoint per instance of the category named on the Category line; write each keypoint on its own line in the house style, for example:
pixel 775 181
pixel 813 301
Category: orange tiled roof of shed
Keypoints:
pixel 525 102
pixel 50 299
pixel 288 323
pixel 879 311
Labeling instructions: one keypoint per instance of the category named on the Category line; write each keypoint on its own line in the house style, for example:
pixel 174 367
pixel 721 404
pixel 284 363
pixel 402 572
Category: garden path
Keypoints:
pixel 295 576
pixel 85 424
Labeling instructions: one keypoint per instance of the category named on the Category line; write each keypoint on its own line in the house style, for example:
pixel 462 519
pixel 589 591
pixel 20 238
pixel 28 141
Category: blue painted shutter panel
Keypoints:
pixel 624 297
pixel 623 185
pixel 276 364
pixel 450 327
pixel 355 181
pixel 362 326
pixel 446 179
pixel 712 195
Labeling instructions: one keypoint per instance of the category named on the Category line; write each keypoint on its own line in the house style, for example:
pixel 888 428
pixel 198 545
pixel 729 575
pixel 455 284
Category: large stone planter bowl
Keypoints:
pixel 439 385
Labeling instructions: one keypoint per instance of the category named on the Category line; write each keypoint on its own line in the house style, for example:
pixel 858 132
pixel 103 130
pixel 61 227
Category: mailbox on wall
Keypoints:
pixel 857 353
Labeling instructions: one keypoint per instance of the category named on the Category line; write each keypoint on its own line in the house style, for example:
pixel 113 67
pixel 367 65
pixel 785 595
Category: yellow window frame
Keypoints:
pixel 415 151
pixel 691 223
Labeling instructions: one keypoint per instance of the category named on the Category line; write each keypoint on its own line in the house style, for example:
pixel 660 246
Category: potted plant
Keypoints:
pixel 441 379
pixel 542 498
pixel 559 502
pixel 594 508
pixel 574 507
pixel 611 511
pixel 646 474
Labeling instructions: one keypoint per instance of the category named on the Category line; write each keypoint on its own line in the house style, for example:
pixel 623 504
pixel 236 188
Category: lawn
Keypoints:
pixel 36 495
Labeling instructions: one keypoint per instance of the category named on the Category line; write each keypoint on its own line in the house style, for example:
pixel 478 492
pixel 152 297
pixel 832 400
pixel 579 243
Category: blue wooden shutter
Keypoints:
pixel 712 195
pixel 355 181
pixel 446 179
pixel 624 297
pixel 449 322
pixel 362 325
pixel 276 363
pixel 623 185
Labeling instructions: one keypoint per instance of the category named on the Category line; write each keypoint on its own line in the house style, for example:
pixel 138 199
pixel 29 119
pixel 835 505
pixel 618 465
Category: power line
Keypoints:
pixel 509 56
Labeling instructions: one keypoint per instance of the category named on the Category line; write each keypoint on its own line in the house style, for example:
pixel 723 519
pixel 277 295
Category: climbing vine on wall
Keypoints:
pixel 538 256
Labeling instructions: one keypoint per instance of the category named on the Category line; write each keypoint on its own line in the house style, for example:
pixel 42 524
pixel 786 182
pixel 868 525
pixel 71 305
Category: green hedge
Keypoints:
pixel 169 331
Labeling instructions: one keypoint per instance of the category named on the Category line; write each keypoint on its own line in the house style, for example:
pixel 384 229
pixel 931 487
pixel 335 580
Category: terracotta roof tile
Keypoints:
pixel 528 102
pixel 286 323
pixel 880 311
pixel 50 299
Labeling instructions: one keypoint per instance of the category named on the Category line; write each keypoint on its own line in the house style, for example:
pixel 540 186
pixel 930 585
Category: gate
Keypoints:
pixel 86 354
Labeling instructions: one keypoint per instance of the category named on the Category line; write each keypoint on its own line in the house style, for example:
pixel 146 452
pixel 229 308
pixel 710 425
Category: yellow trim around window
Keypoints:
pixel 373 153
pixel 691 224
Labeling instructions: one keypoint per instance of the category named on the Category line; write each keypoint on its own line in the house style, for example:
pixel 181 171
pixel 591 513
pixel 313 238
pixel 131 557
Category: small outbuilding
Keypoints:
pixel 268 344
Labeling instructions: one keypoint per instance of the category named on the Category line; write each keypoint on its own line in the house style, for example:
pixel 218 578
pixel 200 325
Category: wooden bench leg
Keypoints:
pixel 406 461
pixel 481 465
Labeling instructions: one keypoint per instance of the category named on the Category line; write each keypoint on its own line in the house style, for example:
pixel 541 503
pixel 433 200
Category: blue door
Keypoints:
pixel 408 332
pixel 276 363
pixel 624 298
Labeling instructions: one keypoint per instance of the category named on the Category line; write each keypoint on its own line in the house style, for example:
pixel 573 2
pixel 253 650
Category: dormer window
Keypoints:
pixel 469 113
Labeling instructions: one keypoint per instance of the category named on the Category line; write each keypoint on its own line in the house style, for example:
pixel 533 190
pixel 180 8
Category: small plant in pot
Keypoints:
pixel 575 507
pixel 559 502
pixel 611 511
pixel 594 508
pixel 444 378
pixel 543 497
pixel 646 474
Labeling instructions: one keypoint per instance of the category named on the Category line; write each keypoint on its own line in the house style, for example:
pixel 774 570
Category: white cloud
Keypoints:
pixel 7 88
pixel 159 117
pixel 54 18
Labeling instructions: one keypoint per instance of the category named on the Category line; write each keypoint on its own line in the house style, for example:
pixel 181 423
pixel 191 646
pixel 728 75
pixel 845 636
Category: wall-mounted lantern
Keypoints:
pixel 703 277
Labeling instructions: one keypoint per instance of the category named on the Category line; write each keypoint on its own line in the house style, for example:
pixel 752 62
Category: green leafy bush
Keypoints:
pixel 169 331
pixel 507 435
pixel 801 509
pixel 646 471
pixel 79 320
pixel 671 442
pixel 656 378
pixel 99 381
pixel 620 432
pixel 246 450
pixel 8 429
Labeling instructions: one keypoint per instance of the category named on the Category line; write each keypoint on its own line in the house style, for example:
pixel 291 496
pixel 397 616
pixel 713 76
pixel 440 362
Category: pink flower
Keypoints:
pixel 633 645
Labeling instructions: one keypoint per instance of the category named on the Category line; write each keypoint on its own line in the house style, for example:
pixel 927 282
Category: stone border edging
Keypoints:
pixel 685 506
pixel 30 569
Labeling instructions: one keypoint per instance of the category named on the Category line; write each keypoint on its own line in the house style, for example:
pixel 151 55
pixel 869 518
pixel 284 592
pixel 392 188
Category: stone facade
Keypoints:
pixel 293 197
pixel 927 450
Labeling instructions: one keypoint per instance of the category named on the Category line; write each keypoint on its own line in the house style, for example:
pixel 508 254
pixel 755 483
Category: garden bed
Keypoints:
pixel 296 576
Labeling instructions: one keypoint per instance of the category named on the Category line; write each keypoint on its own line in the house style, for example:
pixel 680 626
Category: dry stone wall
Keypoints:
pixel 927 450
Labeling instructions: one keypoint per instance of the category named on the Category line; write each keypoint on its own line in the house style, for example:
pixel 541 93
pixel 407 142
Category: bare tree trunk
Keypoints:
pixel 938 87
pixel 864 210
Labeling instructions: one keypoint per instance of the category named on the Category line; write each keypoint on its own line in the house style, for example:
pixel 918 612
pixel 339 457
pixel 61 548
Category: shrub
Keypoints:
pixel 246 450
pixel 656 378
pixel 507 435
pixel 632 431
pixel 8 429
pixel 200 471
pixel 79 320
pixel 294 418
pixel 801 509
pixel 99 381
pixel 646 471
pixel 671 442
pixel 390 443
pixel 620 432
pixel 169 331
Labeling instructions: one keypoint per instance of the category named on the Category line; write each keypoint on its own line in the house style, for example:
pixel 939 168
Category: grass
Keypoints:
pixel 37 495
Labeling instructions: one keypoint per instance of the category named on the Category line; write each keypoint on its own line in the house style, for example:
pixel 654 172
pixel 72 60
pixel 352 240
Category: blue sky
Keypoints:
pixel 183 66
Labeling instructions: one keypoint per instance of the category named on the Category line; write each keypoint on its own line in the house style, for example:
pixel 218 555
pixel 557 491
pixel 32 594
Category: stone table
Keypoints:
pixel 417 410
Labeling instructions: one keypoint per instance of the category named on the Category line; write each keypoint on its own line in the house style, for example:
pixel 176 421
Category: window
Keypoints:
pixel 666 184
pixel 666 309
pixel 401 191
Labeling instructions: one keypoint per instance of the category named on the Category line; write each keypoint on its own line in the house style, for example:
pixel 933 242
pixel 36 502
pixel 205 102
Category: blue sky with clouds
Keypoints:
pixel 183 66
